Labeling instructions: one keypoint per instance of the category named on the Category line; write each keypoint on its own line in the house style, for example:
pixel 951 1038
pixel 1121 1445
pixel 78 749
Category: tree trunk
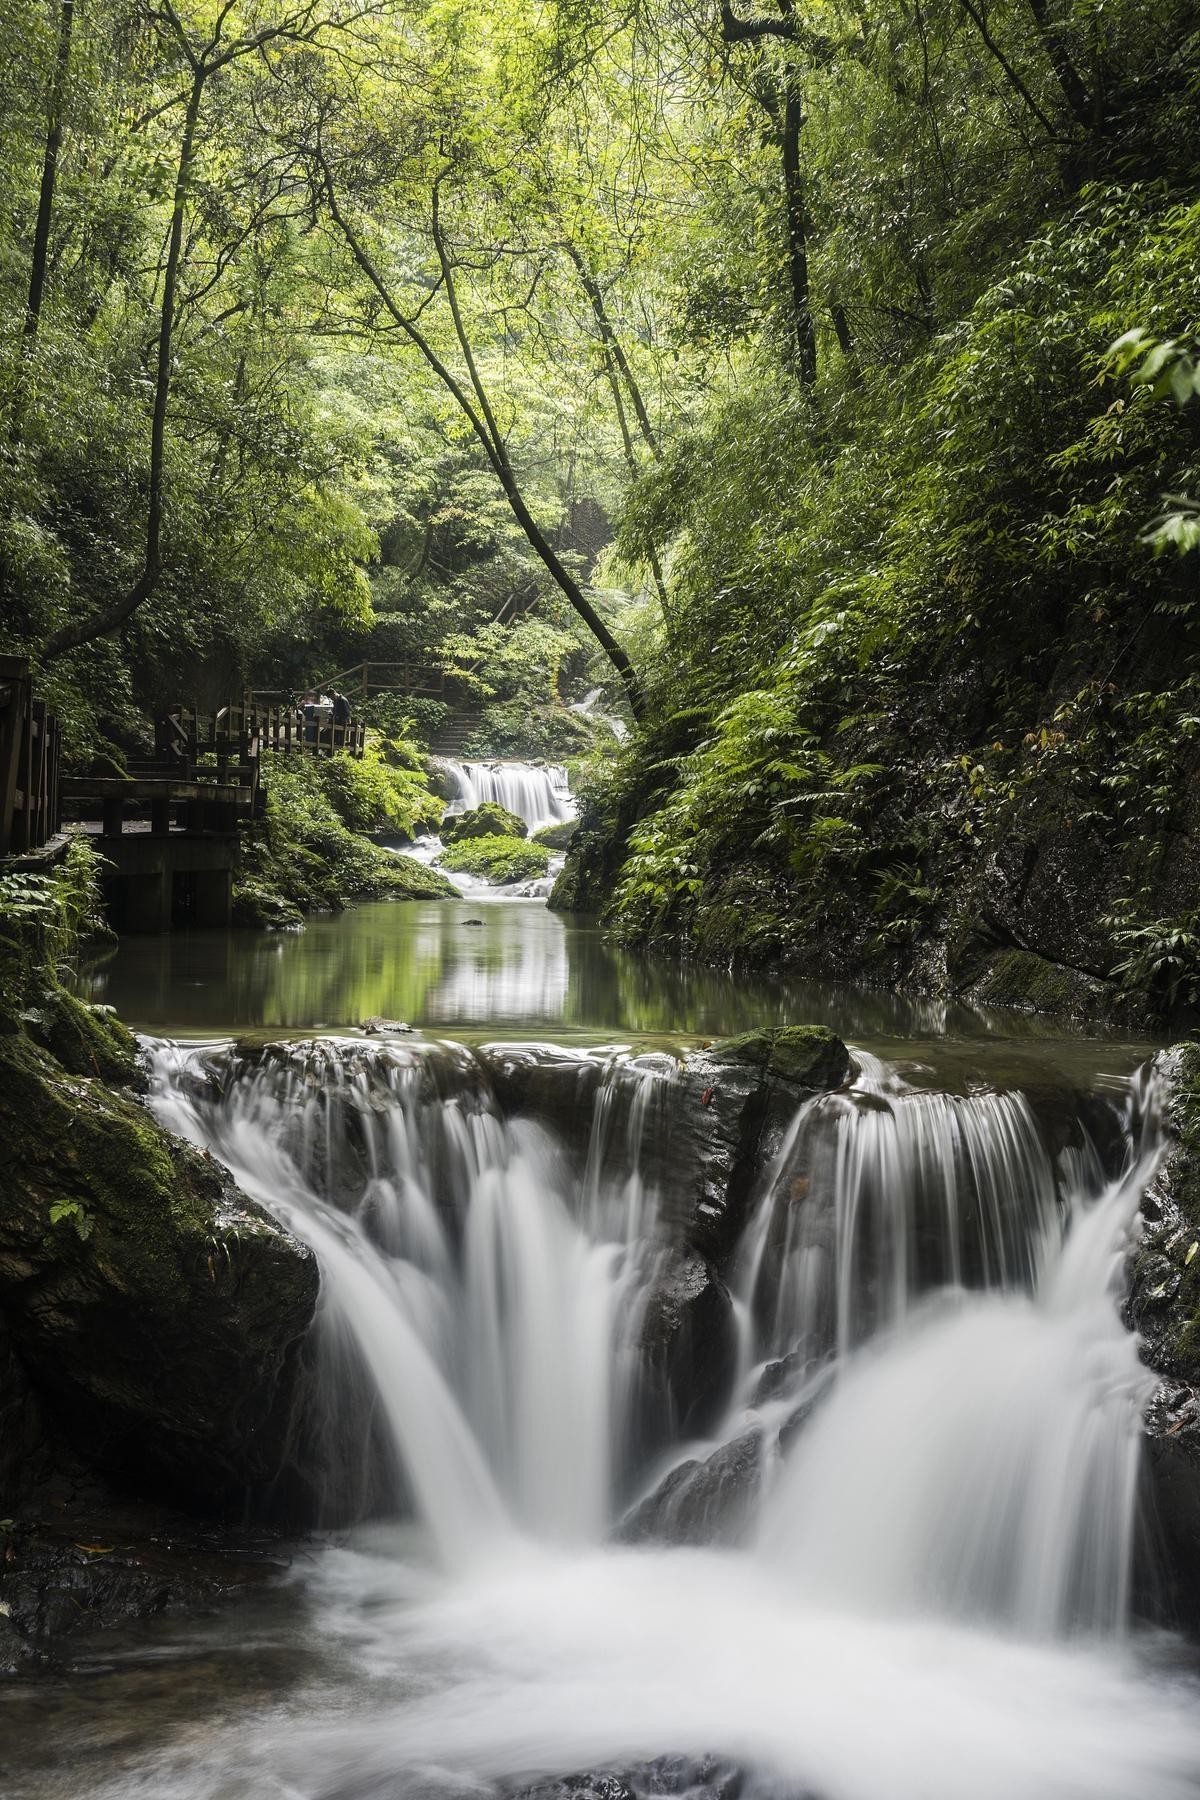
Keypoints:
pixel 82 632
pixel 796 211
pixel 54 133
pixel 1067 75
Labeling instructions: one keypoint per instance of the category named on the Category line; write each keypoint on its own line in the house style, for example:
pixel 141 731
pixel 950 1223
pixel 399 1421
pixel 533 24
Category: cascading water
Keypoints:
pixel 925 1291
pixel 539 793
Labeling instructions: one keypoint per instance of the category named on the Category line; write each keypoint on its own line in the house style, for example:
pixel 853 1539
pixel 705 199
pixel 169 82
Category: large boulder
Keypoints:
pixel 489 820
pixel 154 1311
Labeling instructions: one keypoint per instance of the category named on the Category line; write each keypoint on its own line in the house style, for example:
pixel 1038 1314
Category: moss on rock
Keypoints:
pixel 487 820
pixel 154 1308
pixel 1165 1294
pixel 809 1056
pixel 500 859
pixel 557 837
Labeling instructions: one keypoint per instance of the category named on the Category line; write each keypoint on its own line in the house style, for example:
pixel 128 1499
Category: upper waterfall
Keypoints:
pixel 539 793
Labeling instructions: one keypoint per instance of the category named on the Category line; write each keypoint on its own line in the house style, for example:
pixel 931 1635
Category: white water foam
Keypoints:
pixel 935 1602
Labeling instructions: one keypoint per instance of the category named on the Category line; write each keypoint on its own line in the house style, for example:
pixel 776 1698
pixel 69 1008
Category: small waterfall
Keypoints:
pixel 482 1289
pixel 925 1285
pixel 917 1268
pixel 539 793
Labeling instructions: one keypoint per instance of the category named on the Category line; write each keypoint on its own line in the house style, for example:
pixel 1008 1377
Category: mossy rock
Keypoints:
pixel 1164 1300
pixel 809 1056
pixel 83 1039
pixel 156 1310
pixel 258 908
pixel 488 820
pixel 557 837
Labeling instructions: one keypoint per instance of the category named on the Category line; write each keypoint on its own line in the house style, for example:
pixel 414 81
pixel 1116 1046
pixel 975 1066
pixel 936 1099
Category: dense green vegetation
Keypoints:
pixel 813 380
pixel 499 859
pixel 308 853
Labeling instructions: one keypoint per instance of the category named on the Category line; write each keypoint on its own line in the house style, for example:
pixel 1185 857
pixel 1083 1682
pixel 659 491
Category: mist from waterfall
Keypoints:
pixel 933 1594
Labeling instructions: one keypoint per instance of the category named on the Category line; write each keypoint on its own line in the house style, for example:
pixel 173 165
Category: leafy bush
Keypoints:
pixel 499 859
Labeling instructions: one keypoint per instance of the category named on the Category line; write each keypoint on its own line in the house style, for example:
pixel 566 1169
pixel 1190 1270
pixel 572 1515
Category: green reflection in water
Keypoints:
pixel 520 970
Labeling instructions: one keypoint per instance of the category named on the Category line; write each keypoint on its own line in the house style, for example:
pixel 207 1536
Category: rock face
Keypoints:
pixel 1164 1306
pixel 152 1310
pixel 688 1344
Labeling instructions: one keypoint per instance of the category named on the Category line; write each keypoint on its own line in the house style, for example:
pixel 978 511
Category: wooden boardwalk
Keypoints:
pixel 168 828
pixel 30 761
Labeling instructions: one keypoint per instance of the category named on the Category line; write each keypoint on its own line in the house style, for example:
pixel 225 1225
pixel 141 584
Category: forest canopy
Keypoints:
pixel 751 360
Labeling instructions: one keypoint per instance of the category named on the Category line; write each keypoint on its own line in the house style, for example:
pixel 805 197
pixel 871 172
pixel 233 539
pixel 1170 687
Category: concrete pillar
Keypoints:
pixel 214 897
pixel 147 901
pixel 114 817
pixel 160 818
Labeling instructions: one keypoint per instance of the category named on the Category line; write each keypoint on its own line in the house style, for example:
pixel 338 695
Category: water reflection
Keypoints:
pixel 461 966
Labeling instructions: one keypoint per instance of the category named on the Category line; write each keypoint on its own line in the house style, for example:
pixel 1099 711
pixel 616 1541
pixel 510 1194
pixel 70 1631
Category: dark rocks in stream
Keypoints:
pixel 80 1567
pixel 689 1347
pixel 702 1501
pixel 665 1778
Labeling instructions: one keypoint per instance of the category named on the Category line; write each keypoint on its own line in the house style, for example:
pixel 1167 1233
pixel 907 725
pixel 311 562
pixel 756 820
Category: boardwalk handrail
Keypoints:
pixel 227 744
pixel 30 762
pixel 404 677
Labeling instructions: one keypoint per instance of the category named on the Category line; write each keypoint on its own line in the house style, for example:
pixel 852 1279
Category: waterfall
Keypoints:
pixel 925 1291
pixel 539 793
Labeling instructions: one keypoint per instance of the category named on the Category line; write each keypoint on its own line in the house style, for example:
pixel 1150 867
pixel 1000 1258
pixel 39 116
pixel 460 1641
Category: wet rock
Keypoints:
pixel 82 1567
pixel 1164 1307
pixel 1172 1495
pixel 730 1106
pixel 577 1787
pixel 807 1056
pixel 546 1082
pixel 385 1027
pixel 1164 1297
pixel 708 1501
pixel 688 1343
pixel 155 1311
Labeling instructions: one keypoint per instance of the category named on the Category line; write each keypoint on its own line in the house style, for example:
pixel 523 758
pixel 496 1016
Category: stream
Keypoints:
pixel 929 1587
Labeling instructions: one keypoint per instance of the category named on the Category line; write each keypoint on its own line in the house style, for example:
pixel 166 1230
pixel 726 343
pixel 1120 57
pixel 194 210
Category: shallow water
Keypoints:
pixel 509 968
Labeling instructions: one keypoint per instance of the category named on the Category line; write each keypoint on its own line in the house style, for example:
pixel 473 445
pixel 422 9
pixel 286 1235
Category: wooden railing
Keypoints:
pixel 226 746
pixel 30 762
pixel 367 678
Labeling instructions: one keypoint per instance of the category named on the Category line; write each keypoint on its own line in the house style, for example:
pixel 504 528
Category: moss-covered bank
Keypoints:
pixel 309 852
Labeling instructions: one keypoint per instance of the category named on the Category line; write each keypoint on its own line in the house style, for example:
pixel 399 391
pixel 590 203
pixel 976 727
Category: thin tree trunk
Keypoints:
pixel 72 636
pixel 797 228
pixel 54 135
pixel 1067 75
pixel 612 344
pixel 483 423
pixel 1010 74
